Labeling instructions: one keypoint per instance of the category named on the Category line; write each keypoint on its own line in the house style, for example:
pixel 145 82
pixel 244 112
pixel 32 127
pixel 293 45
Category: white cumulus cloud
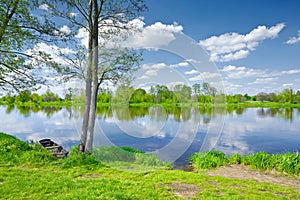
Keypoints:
pixel 152 36
pixel 65 29
pixel 191 72
pixel 264 80
pixel 234 72
pixel 181 64
pixel 234 46
pixel 294 40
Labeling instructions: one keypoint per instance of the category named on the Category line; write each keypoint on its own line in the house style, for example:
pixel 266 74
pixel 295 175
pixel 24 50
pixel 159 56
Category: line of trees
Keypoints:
pixel 204 93
pixel 180 93
pixel 26 96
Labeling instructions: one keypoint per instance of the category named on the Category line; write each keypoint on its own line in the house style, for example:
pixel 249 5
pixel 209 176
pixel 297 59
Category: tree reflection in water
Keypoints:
pixel 156 113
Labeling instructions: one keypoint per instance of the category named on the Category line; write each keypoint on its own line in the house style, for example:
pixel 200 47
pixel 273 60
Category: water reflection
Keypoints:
pixel 284 113
pixel 180 114
pixel 246 130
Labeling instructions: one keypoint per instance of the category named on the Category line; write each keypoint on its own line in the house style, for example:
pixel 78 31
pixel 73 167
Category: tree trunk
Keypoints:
pixel 91 81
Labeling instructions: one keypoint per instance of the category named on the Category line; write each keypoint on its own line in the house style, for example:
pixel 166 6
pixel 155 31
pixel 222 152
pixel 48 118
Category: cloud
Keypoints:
pixel 143 77
pixel 53 50
pixel 204 76
pixel 232 56
pixel 171 85
pixel 193 61
pixel 151 69
pixel 234 72
pixel 292 71
pixel 140 36
pixel 151 72
pixel 234 46
pixel 287 84
pixel 83 36
pixel 240 79
pixel 44 7
pixel 181 64
pixel 65 29
pixel 156 66
pixel 191 72
pixel 154 36
pixel 264 80
pixel 294 40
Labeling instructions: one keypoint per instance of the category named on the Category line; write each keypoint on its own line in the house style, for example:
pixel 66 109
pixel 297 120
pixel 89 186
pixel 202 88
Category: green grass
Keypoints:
pixel 288 163
pixel 30 176
pixel 124 158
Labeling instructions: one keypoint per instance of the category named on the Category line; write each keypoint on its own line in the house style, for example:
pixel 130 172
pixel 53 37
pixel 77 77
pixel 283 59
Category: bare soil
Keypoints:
pixel 243 172
pixel 182 190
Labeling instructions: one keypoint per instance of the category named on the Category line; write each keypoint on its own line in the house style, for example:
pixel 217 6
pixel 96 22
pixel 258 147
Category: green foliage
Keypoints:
pixel 113 154
pixel 235 159
pixel 259 160
pixel 84 177
pixel 208 160
pixel 104 96
pixel 9 144
pixel 182 93
pixel 20 29
pixel 288 162
pixel 132 150
pixel 16 152
pixel 138 96
pixel 105 183
pixel 83 159
pixel 123 94
pixel 50 97
pixel 24 96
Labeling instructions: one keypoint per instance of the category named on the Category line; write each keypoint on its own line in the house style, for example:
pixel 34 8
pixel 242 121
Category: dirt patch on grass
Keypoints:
pixel 243 172
pixel 90 176
pixel 183 190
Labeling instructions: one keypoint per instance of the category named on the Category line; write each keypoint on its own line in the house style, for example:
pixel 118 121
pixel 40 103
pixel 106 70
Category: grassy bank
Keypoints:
pixel 27 171
pixel 287 163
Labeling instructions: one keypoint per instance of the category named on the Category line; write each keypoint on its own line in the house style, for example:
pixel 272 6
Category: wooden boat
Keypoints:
pixel 54 148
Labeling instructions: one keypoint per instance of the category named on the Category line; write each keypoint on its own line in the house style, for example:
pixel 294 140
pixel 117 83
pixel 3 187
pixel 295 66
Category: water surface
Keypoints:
pixel 172 133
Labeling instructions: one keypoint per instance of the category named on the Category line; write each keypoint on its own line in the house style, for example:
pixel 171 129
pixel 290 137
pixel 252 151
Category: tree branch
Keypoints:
pixel 8 18
pixel 9 83
pixel 16 52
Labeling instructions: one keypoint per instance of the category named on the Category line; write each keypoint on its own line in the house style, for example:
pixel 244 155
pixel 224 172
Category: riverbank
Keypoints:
pixel 247 104
pixel 30 172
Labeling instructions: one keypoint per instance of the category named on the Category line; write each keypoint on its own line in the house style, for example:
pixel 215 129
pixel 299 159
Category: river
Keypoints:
pixel 172 133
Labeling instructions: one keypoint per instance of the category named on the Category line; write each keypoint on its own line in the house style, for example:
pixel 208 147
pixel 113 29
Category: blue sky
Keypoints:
pixel 251 46
pixel 255 44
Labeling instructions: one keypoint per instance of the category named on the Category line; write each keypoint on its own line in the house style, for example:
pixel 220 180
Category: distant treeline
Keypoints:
pixel 204 94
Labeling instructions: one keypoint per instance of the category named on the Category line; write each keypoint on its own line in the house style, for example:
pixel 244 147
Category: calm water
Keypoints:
pixel 171 133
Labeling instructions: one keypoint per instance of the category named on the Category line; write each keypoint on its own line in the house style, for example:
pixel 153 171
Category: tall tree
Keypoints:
pixel 196 89
pixel 103 21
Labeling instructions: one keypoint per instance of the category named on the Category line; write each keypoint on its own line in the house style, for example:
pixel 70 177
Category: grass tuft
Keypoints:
pixel 288 163
pixel 129 157
pixel 208 160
